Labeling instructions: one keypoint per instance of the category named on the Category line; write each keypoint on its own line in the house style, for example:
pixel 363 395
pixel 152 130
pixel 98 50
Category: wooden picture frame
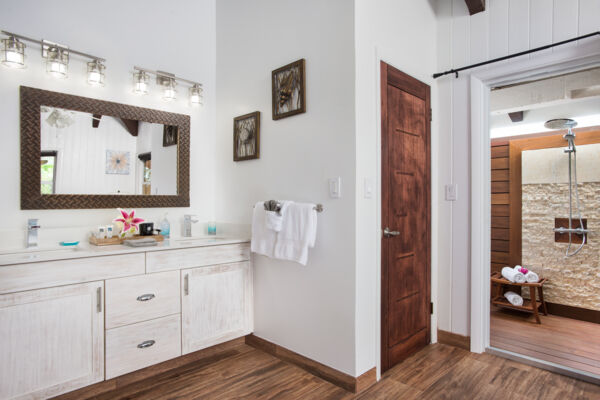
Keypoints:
pixel 246 137
pixel 288 90
pixel 32 199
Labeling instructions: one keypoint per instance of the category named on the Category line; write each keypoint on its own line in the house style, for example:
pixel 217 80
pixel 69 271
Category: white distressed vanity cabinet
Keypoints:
pixel 65 324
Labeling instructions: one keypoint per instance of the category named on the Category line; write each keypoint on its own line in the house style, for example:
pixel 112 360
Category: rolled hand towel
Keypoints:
pixel 514 298
pixel 513 275
pixel 530 276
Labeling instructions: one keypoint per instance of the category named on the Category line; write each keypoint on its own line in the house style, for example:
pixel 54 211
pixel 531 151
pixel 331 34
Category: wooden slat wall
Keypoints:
pixel 500 205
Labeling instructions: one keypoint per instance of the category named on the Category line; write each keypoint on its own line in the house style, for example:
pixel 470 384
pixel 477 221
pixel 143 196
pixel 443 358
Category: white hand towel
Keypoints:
pixel 513 275
pixel 530 276
pixel 514 298
pixel 298 233
pixel 274 220
pixel 263 239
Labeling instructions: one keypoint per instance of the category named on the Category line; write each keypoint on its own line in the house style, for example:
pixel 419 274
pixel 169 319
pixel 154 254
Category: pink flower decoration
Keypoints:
pixel 523 270
pixel 129 221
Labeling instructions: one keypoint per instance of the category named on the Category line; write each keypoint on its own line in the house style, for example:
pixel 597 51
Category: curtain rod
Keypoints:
pixel 457 70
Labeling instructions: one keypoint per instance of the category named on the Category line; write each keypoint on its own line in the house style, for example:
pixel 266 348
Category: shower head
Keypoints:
pixel 561 123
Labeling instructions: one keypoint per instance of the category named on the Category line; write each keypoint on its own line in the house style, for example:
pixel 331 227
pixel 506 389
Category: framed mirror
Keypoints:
pixel 78 152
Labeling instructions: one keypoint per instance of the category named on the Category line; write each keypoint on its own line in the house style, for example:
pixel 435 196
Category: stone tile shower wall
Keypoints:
pixel 573 281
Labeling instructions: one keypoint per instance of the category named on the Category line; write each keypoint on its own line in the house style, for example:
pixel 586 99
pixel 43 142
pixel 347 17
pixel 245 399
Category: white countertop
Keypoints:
pixel 24 256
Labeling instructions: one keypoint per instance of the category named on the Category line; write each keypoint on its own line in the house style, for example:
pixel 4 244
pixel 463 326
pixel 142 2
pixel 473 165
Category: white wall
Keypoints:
pixel 310 310
pixel 164 159
pixel 403 34
pixel 507 26
pixel 178 39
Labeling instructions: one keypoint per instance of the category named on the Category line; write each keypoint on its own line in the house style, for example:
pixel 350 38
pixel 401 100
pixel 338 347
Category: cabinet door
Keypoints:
pixel 51 340
pixel 216 304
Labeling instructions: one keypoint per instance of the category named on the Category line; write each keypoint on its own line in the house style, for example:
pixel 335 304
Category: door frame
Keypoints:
pixel 560 61
pixel 429 190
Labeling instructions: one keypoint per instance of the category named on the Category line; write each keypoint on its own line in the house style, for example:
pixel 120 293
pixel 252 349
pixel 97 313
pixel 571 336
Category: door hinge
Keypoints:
pixel 431 307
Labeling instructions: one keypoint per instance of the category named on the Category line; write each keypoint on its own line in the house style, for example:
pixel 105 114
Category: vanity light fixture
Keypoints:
pixel 13 52
pixel 196 95
pixel 168 82
pixel 140 82
pixel 95 73
pixel 55 55
pixel 57 59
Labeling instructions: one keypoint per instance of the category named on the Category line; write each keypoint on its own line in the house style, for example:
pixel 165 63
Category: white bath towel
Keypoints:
pixel 513 275
pixel 263 239
pixel 274 219
pixel 514 298
pixel 298 233
pixel 530 276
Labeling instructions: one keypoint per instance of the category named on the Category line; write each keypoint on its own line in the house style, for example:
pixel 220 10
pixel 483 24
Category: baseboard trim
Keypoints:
pixel 210 354
pixel 582 314
pixel 338 378
pixel 454 339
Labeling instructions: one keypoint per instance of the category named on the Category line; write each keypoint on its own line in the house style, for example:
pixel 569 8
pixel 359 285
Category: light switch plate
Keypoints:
pixel 335 187
pixel 368 188
pixel 450 191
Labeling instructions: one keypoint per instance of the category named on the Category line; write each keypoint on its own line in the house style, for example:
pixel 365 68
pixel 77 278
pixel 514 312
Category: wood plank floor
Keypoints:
pixel 564 341
pixel 436 372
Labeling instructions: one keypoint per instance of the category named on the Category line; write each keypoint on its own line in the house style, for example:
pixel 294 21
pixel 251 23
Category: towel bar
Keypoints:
pixel 318 207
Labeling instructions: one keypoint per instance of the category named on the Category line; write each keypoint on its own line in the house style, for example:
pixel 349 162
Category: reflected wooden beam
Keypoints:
pixel 131 125
pixel 475 6
pixel 96 120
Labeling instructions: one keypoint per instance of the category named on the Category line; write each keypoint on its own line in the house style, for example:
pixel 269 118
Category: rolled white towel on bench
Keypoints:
pixel 530 276
pixel 513 275
pixel 514 298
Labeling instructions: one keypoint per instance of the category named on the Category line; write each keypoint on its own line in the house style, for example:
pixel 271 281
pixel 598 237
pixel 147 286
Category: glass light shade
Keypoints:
pixel 13 53
pixel 57 62
pixel 95 73
pixel 196 95
pixel 140 82
pixel 169 92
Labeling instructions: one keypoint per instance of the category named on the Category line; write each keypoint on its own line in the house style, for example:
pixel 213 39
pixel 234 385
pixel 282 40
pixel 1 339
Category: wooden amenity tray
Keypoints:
pixel 117 240
pixel 531 306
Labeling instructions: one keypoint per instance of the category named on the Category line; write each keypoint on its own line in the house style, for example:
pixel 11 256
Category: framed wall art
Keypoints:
pixel 246 137
pixel 288 89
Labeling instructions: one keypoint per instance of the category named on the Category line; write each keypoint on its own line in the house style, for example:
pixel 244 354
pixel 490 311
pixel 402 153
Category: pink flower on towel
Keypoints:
pixel 524 271
pixel 129 221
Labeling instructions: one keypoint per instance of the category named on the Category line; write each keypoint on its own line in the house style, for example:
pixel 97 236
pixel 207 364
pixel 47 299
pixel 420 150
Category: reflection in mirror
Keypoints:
pixel 84 153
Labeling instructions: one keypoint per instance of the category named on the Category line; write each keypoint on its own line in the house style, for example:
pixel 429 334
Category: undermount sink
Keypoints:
pixel 197 239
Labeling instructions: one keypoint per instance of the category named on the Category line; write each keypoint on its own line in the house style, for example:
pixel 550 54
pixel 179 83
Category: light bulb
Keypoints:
pixel 57 62
pixel 196 95
pixel 169 92
pixel 140 82
pixel 95 70
pixel 13 53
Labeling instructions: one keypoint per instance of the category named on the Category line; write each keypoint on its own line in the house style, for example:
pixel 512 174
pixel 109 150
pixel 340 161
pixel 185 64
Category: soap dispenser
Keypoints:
pixel 164 226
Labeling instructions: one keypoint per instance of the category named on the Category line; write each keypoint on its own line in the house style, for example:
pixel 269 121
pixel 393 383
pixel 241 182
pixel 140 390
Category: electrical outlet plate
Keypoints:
pixel 335 187
pixel 450 192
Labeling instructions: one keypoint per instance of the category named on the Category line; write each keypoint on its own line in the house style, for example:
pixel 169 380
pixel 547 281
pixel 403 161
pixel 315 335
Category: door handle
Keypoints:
pixel 186 284
pixel 146 343
pixel 387 233
pixel 145 297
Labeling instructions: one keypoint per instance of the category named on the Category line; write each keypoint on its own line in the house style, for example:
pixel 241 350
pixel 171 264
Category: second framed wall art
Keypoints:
pixel 288 90
pixel 246 137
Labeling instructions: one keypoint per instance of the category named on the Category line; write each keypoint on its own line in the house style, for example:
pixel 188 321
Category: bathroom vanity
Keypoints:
pixel 74 317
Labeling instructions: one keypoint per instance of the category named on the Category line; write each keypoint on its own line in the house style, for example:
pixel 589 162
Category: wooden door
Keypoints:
pixel 406 213
pixel 216 305
pixel 51 340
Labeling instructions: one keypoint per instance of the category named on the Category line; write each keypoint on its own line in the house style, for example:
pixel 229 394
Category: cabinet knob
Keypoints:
pixel 146 297
pixel 146 343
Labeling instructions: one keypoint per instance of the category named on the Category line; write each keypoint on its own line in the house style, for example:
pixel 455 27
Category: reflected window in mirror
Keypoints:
pixel 106 155
pixel 48 168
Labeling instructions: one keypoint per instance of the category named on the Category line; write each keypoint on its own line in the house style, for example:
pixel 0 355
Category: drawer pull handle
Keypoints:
pixel 146 343
pixel 146 297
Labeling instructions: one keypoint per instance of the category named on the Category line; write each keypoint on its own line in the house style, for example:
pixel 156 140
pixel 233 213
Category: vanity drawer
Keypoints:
pixel 136 346
pixel 141 298
pixel 196 257
pixel 20 277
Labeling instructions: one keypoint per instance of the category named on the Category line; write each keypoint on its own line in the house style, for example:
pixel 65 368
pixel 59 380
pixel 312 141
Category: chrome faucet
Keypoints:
pixel 32 232
pixel 188 220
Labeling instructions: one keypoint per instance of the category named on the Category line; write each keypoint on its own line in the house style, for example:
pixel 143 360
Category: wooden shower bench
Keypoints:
pixel 530 305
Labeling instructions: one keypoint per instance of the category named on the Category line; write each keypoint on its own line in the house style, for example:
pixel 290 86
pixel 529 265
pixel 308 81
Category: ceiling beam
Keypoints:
pixel 516 116
pixel 475 6
pixel 131 125
pixel 96 120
